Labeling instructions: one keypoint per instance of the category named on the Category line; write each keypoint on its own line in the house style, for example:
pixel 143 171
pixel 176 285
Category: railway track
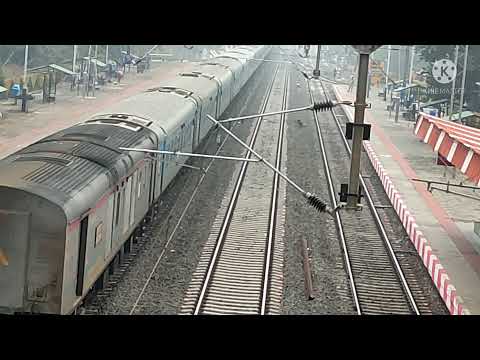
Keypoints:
pixel 415 276
pixel 241 267
pixel 377 281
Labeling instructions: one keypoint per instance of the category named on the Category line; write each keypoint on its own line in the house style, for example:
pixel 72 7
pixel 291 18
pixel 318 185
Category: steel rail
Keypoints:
pixel 274 203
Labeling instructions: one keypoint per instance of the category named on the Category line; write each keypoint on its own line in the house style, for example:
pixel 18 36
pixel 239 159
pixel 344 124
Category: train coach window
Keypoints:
pixel 98 234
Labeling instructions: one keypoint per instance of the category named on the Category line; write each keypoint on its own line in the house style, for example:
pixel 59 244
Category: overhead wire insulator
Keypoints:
pixel 316 202
pixel 323 106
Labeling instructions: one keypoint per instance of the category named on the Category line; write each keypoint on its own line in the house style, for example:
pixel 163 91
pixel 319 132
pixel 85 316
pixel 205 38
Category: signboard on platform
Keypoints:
pixel 377 72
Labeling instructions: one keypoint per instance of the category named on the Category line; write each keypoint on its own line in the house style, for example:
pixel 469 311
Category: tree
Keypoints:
pixel 432 53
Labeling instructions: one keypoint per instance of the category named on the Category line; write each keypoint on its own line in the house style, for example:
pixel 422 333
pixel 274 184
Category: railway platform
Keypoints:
pixel 438 223
pixel 18 129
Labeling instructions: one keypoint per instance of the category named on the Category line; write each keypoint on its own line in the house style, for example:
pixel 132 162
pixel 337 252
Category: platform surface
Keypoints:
pixel 446 220
pixel 18 129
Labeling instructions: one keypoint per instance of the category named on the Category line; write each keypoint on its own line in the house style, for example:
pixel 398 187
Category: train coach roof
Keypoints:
pixel 61 166
pixel 162 109
pixel 232 63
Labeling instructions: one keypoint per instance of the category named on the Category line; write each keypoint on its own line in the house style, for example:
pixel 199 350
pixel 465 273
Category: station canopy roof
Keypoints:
pixel 95 61
pixel 54 67
pixel 464 115
pixel 433 103
pixel 459 144
pixel 410 86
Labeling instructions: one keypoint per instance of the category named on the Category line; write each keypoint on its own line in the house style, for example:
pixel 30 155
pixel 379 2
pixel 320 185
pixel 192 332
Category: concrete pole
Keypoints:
pixel 94 67
pixel 369 80
pixel 452 96
pixel 128 52
pixel 316 72
pixel 388 69
pixel 397 109
pixel 399 65
pixel 25 66
pixel 410 79
pixel 358 130
pixel 74 62
pixel 87 83
pixel 465 58
pixel 406 65
pixel 106 55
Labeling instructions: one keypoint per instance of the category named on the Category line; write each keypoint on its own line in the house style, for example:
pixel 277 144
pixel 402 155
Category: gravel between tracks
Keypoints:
pixel 330 283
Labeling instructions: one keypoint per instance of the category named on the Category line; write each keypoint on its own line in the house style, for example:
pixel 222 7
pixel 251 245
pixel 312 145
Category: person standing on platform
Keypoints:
pixel 352 80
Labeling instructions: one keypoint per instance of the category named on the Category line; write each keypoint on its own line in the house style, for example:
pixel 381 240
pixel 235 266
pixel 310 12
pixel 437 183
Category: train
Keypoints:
pixel 72 201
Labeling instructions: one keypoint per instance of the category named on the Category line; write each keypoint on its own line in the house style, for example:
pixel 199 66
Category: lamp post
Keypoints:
pixel 452 96
pixel 388 70
pixel 74 62
pixel 405 68
pixel 87 80
pixel 25 65
pixel 410 79
pixel 399 65
pixel 316 72
pixel 464 75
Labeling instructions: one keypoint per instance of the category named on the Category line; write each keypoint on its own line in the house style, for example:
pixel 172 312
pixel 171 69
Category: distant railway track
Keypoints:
pixel 240 270
pixel 377 281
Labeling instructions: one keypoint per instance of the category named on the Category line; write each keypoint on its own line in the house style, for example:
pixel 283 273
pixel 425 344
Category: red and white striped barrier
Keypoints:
pixel 432 263
pixel 457 143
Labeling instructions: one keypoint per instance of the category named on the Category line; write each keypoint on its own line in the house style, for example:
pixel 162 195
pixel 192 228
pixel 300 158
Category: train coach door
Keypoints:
pixel 115 217
pixel 199 122
pixel 194 132
pixel 14 232
pixel 108 243
pixel 82 251
pixel 151 168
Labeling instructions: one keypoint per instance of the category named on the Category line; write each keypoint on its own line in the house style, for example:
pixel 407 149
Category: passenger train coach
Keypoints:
pixel 71 201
